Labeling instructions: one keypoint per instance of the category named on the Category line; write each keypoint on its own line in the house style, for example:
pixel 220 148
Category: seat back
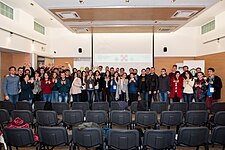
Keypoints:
pixel 218 135
pixel 219 118
pixel 146 118
pixel 4 116
pixel 196 117
pixel 18 137
pixel 39 105
pixel 193 136
pixel 53 136
pixel 159 139
pixel 46 118
pixel 115 105
pixel 97 116
pixel 159 106
pixel 100 106
pixel 59 107
pixel 9 106
pixel 120 117
pixel 72 117
pixel 171 118
pixel 84 106
pixel 197 106
pixel 123 139
pixel 88 137
pixel 23 106
pixel 179 106
pixel 133 107
pixel 216 107
pixel 25 115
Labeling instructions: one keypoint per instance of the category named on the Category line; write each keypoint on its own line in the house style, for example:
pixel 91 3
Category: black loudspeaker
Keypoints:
pixel 164 49
pixel 79 50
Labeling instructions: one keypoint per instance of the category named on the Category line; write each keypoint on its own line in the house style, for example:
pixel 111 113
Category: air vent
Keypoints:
pixel 81 30
pixel 184 14
pixel 68 15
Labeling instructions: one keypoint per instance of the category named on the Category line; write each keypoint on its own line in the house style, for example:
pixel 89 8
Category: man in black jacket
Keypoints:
pixel 153 84
pixel 214 85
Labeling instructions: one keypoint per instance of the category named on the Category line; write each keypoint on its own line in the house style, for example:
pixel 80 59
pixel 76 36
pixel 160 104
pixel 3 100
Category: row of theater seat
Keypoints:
pixel 114 139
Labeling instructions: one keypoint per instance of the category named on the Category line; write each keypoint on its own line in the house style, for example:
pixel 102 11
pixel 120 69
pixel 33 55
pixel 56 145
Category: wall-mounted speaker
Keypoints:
pixel 79 50
pixel 164 49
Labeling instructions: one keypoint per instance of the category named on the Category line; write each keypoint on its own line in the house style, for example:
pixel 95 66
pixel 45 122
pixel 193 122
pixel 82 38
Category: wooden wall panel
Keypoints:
pixel 217 62
pixel 18 60
pixel 63 61
pixel 168 62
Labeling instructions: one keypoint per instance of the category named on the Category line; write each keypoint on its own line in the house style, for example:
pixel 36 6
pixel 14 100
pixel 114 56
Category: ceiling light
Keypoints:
pixel 11 34
pixel 127 1
pixel 68 15
pixel 184 13
pixel 81 1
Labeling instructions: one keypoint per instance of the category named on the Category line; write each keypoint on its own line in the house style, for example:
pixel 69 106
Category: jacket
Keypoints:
pixel 76 86
pixel 164 84
pixel 132 86
pixel 203 90
pixel 153 82
pixel 122 86
pixel 179 87
pixel 11 85
pixel 26 91
pixel 46 87
pixel 63 88
pixel 217 85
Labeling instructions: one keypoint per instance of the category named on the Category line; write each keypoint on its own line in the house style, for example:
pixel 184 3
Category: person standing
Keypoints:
pixel 106 86
pixel 98 86
pixel 176 85
pixel 132 88
pixel 113 85
pixel 37 87
pixel 83 87
pixel 188 85
pixel 11 86
pixel 153 83
pixel 46 86
pixel 90 83
pixel 64 88
pixel 214 85
pixel 143 89
pixel 55 90
pixel 27 86
pixel 122 90
pixel 164 86
pixel 173 70
pixel 200 88
pixel 75 89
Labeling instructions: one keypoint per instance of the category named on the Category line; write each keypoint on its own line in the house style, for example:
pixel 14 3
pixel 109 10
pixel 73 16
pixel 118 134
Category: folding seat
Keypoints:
pixel 193 137
pixel 87 138
pixel 100 106
pixel 216 107
pixel 97 116
pixel 59 107
pixel 46 118
pixel 23 106
pixel 179 106
pixel 25 115
pixel 120 117
pixel 123 139
pixel 4 118
pixel 72 117
pixel 84 106
pixel 196 118
pixel 146 119
pixel 9 106
pixel 159 139
pixel 39 105
pixel 159 107
pixel 171 118
pixel 218 136
pixel 18 137
pixel 197 106
pixel 52 137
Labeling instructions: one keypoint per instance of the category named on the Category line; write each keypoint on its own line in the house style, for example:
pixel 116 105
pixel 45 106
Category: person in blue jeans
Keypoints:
pixel 113 86
pixel 11 86
pixel 164 86
pixel 64 87
pixel 90 83
pixel 55 90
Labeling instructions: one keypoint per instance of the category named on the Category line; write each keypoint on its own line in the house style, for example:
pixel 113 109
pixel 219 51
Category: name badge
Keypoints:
pixel 211 89
pixel 90 86
pixel 114 87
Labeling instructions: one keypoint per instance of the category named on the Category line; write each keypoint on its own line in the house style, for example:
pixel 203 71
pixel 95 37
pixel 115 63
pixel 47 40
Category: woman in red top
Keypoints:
pixel 47 86
pixel 176 85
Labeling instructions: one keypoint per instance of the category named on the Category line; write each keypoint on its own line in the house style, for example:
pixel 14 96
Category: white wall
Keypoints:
pixel 22 24
pixel 215 46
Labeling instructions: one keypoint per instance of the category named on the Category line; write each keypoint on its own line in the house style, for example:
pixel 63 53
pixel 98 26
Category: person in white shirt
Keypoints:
pixel 188 85
pixel 75 89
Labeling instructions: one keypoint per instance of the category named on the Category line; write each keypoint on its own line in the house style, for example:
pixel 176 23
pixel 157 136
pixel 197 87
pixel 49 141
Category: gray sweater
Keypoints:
pixel 11 85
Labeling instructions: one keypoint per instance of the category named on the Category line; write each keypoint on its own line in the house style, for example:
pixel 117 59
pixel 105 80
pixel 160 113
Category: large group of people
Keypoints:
pixel 60 84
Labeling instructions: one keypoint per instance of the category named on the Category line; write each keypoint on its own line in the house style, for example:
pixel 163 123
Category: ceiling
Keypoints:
pixel 114 16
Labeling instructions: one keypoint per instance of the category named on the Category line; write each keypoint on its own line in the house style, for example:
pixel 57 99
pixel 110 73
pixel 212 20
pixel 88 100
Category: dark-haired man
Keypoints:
pixel 173 70
pixel 214 84
pixel 11 86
